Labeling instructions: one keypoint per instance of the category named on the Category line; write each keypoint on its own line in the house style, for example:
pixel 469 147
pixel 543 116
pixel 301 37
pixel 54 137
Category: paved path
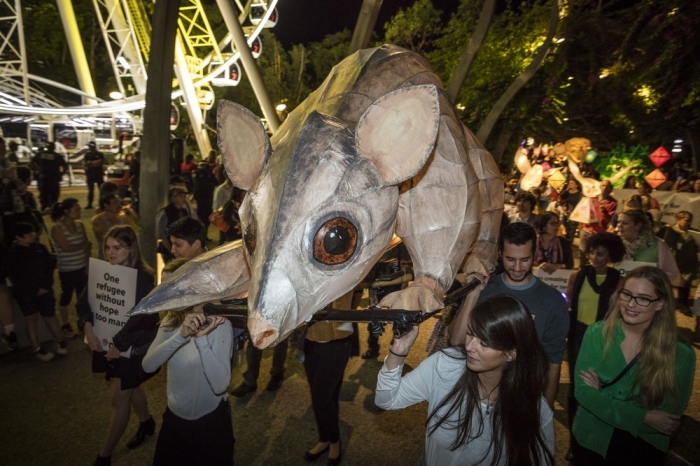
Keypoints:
pixel 56 413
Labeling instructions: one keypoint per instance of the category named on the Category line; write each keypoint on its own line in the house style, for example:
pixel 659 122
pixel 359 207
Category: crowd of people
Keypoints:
pixel 490 393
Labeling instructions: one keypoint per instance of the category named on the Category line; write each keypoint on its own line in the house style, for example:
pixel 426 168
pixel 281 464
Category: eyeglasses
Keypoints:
pixel 640 300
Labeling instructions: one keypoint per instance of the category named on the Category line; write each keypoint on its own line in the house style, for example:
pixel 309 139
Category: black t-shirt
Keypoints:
pixel 51 166
pixel 92 157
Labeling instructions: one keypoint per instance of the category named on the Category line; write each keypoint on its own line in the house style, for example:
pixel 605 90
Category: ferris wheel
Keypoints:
pixel 201 61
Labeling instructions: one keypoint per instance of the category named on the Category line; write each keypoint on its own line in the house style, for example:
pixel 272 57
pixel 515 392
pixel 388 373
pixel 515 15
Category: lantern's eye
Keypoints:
pixel 249 238
pixel 335 242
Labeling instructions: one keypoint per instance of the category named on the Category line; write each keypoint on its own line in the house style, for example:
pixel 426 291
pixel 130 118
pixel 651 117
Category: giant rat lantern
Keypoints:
pixel 376 150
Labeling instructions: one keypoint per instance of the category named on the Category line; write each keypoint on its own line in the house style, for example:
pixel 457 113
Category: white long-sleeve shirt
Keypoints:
pixel 199 369
pixel 431 381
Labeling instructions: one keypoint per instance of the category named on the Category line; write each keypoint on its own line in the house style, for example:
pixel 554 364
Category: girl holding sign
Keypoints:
pixel 197 426
pixel 121 247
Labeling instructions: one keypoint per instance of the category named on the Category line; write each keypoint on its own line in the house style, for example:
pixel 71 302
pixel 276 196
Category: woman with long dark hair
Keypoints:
pixel 633 376
pixel 121 247
pixel 485 399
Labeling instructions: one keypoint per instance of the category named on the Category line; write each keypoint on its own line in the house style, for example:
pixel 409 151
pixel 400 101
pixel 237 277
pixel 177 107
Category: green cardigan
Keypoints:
pixel 618 406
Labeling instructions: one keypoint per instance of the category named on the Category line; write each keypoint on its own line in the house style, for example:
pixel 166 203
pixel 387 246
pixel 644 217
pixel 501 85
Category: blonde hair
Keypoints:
pixel 656 376
pixel 174 319
pixel 639 217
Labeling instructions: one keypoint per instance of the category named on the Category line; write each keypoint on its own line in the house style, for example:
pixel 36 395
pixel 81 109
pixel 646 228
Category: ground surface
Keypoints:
pixel 56 413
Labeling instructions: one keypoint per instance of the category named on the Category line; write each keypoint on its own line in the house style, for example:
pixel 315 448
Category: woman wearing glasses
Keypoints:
pixel 633 377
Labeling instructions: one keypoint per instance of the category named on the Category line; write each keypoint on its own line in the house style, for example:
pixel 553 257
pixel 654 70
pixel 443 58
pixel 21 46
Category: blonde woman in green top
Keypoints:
pixel 633 376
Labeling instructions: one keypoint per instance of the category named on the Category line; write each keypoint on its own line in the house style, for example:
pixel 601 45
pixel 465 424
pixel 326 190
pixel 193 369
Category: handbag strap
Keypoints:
pixel 623 372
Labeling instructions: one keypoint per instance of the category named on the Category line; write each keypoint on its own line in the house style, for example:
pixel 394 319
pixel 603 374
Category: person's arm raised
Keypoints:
pixel 458 327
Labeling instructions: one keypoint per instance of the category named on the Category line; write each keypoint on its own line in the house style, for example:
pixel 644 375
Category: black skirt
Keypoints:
pixel 129 370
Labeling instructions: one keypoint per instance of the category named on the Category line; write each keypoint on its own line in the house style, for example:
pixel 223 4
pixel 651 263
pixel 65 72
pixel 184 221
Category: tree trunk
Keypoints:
pixel 155 142
pixel 502 143
pixel 302 65
pixel 694 140
pixel 491 119
pixel 473 47
pixel 365 25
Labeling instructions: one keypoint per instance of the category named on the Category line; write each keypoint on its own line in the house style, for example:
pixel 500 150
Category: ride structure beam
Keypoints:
pixel 117 28
pixel 191 101
pixel 249 65
pixel 75 45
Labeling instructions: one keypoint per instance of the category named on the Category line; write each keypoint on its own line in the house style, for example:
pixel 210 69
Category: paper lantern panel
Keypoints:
pixel 655 178
pixel 659 157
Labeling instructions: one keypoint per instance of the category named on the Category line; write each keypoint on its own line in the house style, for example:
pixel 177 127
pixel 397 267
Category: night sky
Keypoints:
pixel 304 21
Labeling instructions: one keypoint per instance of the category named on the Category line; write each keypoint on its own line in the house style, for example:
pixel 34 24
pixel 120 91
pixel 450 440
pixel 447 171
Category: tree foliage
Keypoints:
pixel 415 27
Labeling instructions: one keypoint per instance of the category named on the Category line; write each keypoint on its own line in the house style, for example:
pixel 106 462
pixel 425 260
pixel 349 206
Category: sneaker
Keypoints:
pixel 62 348
pixel 10 340
pixel 43 355
pixel 68 331
pixel 89 206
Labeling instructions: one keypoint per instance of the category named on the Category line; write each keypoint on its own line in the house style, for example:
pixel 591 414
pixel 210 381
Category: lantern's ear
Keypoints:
pixel 397 133
pixel 243 142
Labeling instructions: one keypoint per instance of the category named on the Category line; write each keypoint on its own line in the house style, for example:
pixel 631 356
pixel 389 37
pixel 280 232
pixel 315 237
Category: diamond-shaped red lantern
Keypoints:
pixel 655 178
pixel 659 157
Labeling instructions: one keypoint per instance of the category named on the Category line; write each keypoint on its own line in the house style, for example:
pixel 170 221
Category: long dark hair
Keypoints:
pixel 59 209
pixel 502 323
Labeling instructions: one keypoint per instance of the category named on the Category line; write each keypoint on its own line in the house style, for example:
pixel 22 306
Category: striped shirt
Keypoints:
pixel 76 260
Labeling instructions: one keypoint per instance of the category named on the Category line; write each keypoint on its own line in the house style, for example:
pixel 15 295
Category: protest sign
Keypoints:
pixel 670 203
pixel 111 294
pixel 557 279
pixel 626 266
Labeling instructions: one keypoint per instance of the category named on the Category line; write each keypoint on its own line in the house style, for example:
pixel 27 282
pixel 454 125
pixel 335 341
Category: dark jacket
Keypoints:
pixel 30 268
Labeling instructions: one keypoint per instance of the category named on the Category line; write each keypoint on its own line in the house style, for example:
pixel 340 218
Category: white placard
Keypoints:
pixel 557 279
pixel 669 204
pixel 111 294
pixel 626 266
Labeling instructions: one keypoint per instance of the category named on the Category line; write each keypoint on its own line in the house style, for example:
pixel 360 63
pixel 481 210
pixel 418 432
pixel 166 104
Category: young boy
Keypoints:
pixel 31 272
pixel 187 238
